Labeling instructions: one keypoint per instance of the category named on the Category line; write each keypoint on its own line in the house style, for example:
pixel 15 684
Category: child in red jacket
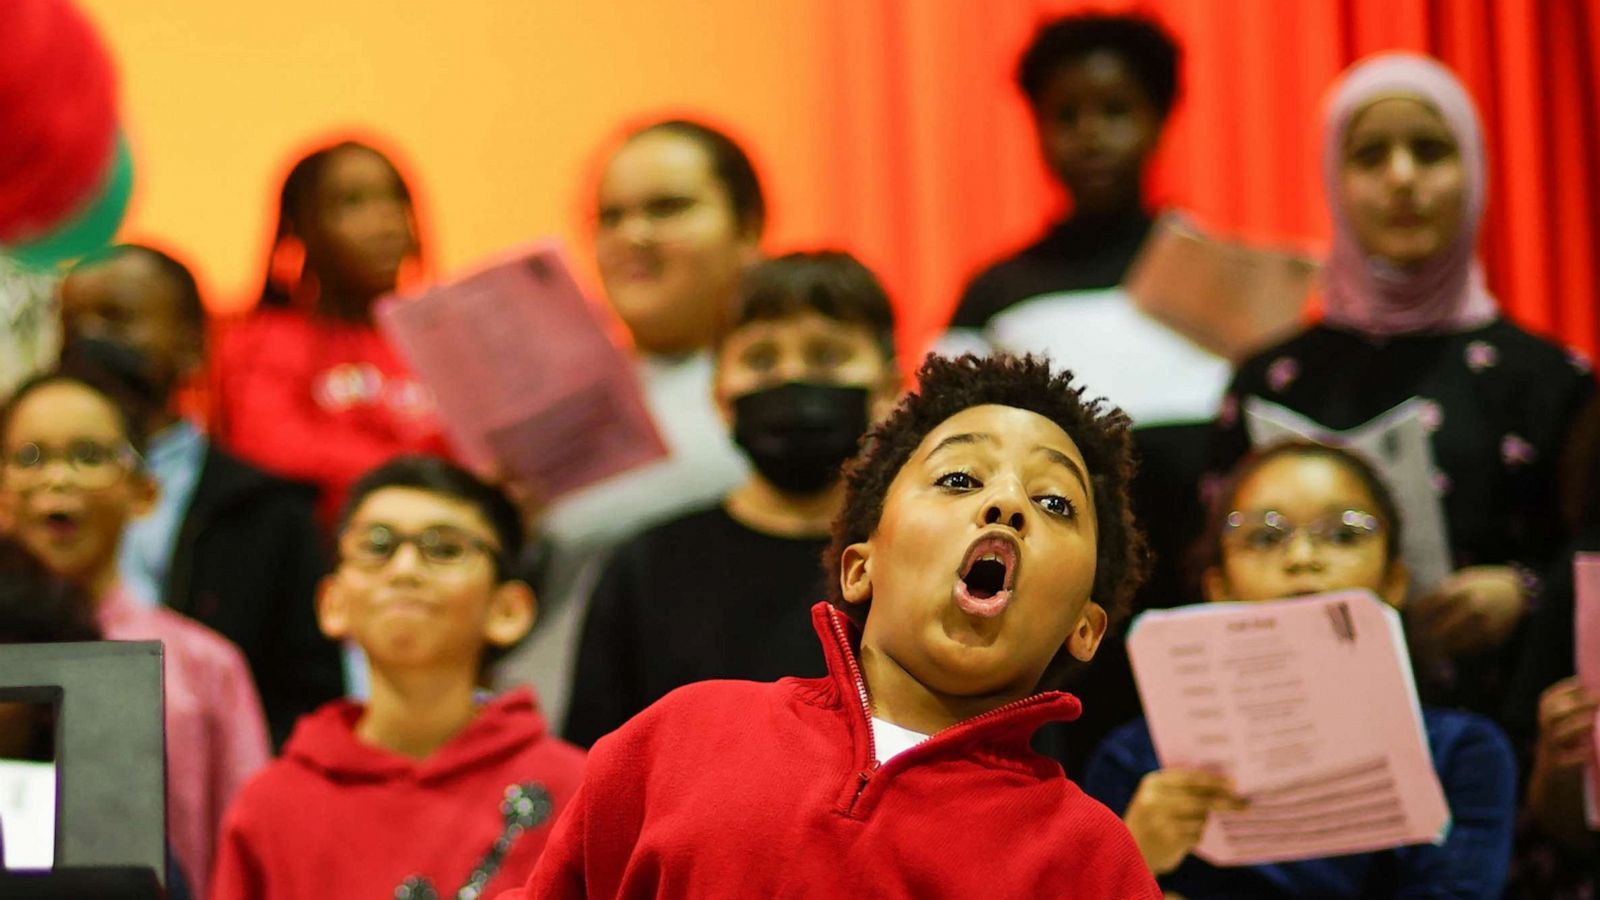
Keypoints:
pixel 984 538
pixel 305 386
pixel 430 789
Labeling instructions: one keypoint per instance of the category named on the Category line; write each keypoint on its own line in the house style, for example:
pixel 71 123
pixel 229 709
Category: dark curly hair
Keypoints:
pixel 1146 48
pixel 948 386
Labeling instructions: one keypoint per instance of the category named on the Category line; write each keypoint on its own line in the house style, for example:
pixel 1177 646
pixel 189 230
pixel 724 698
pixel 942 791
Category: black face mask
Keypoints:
pixel 799 434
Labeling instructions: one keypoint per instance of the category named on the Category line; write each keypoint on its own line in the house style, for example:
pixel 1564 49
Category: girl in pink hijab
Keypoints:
pixel 1408 316
pixel 1403 166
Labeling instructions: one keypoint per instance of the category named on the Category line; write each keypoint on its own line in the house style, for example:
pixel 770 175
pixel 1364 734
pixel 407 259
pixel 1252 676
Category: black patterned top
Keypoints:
pixel 1500 404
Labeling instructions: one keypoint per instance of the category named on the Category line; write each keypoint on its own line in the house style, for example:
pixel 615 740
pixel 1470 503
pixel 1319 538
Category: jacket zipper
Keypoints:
pixel 1013 706
pixel 864 776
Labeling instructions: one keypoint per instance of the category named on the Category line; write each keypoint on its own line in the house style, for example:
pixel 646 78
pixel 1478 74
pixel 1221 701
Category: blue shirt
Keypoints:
pixel 174 459
pixel 1475 766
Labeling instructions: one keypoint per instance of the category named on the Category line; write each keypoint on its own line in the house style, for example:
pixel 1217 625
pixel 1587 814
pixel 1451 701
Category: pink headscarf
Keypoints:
pixel 1445 293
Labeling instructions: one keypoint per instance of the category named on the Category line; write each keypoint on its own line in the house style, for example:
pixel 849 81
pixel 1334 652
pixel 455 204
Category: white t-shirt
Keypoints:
pixel 891 740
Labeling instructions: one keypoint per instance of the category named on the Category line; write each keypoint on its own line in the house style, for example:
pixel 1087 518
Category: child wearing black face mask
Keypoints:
pixel 804 365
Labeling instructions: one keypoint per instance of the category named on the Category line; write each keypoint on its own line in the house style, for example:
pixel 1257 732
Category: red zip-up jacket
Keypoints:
pixel 739 789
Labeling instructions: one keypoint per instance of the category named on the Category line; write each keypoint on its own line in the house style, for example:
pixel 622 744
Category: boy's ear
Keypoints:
pixel 1085 638
pixel 1396 584
pixel 855 573
pixel 333 608
pixel 512 611
pixel 1214 585
pixel 7 512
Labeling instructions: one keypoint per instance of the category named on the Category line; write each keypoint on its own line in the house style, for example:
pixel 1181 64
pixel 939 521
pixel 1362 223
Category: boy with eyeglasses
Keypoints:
pixel 432 788
pixel 71 476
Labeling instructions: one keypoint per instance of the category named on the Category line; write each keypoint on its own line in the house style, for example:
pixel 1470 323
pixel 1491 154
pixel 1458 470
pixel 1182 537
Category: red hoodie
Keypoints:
pixel 317 400
pixel 738 789
pixel 338 818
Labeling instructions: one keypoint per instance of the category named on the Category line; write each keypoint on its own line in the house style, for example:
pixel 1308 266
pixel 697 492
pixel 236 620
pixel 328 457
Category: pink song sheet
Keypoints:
pixel 1586 646
pixel 524 374
pixel 1310 706
pixel 1229 298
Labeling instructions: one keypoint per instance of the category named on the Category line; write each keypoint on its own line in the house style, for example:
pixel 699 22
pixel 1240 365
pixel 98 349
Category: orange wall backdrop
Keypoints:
pixel 888 128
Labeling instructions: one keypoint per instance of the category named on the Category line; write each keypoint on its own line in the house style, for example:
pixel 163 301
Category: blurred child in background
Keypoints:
pixel 306 387
pixel 226 543
pixel 71 477
pixel 805 364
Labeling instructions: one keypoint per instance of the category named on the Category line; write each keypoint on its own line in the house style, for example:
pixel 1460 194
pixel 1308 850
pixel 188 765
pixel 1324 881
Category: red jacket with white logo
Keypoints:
pixel 318 401
pixel 739 789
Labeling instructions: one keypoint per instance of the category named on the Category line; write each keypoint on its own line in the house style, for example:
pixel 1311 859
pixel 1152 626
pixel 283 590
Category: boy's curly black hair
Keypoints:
pixel 948 386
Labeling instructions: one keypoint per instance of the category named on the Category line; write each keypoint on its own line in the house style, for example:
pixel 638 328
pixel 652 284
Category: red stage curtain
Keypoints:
pixel 931 153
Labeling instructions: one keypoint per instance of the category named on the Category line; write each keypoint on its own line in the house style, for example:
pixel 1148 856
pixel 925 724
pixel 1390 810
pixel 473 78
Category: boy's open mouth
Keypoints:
pixel 987 576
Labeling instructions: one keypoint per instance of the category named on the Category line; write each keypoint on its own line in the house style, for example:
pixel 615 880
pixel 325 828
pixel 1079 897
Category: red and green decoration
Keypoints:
pixel 65 170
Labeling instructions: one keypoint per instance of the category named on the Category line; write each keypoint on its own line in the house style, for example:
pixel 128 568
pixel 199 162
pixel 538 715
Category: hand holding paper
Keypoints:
pixel 1566 724
pixel 1169 812
pixel 1227 297
pixel 1472 610
pixel 1559 786
pixel 1308 705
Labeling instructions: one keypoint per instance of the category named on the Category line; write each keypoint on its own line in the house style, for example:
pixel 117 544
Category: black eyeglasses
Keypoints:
pixel 372 546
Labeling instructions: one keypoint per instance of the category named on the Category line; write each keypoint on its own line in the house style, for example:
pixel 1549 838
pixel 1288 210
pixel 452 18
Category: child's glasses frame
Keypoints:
pixel 372 546
pixel 1270 531
pixel 95 465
